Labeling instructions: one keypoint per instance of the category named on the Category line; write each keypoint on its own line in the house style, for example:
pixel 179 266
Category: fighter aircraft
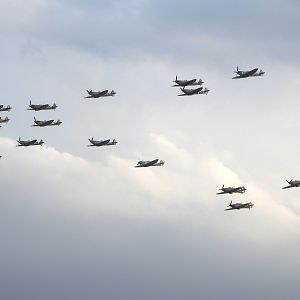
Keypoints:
pixel 190 92
pixel 185 83
pixel 46 123
pixel 149 163
pixel 231 190
pixel 104 93
pixel 7 108
pixel 4 120
pixel 246 74
pixel 292 183
pixel 102 143
pixel 239 205
pixel 38 107
pixel 29 143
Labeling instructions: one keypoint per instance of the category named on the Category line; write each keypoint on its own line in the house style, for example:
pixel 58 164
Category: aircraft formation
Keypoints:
pixel 191 82
pixel 182 84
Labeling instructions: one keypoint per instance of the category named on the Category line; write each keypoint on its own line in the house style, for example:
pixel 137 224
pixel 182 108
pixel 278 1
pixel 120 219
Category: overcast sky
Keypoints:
pixel 83 223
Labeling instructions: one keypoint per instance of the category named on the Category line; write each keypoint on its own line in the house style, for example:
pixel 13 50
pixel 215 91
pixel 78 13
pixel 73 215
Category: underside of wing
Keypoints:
pixel 104 142
pixel 153 162
pixel 287 187
pixel 102 93
pixel 251 72
pixel 191 81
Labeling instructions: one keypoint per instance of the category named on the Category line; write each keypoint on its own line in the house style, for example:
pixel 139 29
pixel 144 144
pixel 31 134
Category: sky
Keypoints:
pixel 83 223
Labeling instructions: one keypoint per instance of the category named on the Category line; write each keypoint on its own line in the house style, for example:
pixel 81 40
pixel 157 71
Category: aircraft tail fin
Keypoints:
pixel 34 119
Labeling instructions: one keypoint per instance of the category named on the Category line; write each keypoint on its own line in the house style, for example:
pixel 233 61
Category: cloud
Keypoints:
pixel 81 222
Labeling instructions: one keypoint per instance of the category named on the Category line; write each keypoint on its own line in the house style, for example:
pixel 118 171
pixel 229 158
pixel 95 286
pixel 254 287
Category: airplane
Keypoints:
pixel 4 120
pixel 185 83
pixel 246 74
pixel 38 107
pixel 7 108
pixel 292 183
pixel 149 163
pixel 190 92
pixel 104 93
pixel 102 143
pixel 46 123
pixel 29 143
pixel 239 205
pixel 231 190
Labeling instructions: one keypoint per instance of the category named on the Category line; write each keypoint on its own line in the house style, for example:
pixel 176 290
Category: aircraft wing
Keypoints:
pixel 101 143
pixel 48 122
pixel 222 193
pixel 41 106
pixel 102 93
pixel 287 187
pixel 152 162
pixel 231 208
pixel 249 73
pixel 191 81
pixel 195 91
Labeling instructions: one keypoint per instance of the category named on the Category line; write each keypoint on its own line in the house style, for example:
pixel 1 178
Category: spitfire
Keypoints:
pixel 292 183
pixel 5 120
pixel 104 93
pixel 102 143
pixel 231 190
pixel 239 206
pixel 7 108
pixel 46 123
pixel 184 83
pixel 190 92
pixel 149 163
pixel 26 143
pixel 246 74
pixel 38 107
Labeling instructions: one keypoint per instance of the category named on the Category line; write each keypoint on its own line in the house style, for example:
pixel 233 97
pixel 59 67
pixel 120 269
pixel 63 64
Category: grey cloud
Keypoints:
pixel 177 30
